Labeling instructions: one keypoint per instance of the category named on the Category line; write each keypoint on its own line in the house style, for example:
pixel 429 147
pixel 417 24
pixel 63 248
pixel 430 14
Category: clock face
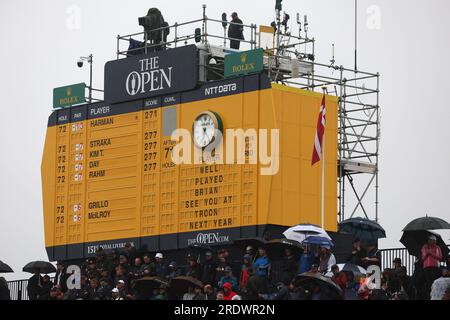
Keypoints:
pixel 205 129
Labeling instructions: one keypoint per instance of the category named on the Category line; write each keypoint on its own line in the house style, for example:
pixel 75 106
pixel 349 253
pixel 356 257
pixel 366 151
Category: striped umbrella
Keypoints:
pixel 302 231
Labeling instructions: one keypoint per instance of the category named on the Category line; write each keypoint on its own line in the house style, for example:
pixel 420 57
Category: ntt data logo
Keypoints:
pixel 209 238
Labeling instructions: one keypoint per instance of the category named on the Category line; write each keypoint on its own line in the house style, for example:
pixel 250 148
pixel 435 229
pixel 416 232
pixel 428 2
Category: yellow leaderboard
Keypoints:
pixel 109 178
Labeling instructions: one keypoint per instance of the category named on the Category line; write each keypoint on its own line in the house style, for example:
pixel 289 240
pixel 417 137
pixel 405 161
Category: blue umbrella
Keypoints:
pixel 318 241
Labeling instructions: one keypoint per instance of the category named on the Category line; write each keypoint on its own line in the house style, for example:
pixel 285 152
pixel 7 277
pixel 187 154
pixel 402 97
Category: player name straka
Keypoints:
pixel 100 143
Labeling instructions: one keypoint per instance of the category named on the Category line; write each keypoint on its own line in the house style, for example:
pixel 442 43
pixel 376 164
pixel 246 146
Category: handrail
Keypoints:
pixel 204 35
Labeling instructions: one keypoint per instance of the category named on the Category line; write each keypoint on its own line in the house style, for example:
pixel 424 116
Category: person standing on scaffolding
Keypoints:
pixel 235 31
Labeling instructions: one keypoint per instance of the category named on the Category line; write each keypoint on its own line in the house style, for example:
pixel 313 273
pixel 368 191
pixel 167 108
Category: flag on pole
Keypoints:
pixel 318 140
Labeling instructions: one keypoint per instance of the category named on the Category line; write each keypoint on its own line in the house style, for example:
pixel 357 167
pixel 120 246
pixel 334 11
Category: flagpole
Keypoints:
pixel 323 181
pixel 323 167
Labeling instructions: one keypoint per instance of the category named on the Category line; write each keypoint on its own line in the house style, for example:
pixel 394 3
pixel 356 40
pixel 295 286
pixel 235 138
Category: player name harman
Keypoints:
pixel 102 122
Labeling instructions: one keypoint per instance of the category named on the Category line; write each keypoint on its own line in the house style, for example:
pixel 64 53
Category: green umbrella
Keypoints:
pixel 427 223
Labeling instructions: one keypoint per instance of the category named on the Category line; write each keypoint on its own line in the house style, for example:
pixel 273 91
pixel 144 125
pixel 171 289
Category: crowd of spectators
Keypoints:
pixel 114 275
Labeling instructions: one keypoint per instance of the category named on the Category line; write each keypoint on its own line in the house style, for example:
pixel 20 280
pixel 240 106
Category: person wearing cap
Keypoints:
pixel 326 259
pixel 249 250
pixel 115 295
pixel 228 292
pixel 209 267
pixel 229 278
pixel 358 253
pixel 121 285
pixel 373 256
pixel 172 271
pixel 209 291
pixel 160 266
pixel 162 293
pixel 431 256
pixel 235 31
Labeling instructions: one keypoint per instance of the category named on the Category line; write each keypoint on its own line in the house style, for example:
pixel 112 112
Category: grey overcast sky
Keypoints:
pixel 41 41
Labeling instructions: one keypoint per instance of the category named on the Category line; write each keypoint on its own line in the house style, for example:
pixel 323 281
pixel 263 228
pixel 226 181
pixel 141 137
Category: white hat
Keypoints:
pixel 115 290
pixel 159 255
pixel 121 281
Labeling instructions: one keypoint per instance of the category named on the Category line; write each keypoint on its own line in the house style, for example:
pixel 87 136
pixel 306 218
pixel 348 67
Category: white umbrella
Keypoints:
pixel 302 231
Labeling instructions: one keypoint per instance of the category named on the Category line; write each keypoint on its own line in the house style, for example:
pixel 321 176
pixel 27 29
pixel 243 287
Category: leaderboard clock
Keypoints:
pixel 207 129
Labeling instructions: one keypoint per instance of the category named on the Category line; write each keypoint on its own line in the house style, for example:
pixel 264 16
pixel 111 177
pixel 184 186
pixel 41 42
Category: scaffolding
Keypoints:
pixel 292 62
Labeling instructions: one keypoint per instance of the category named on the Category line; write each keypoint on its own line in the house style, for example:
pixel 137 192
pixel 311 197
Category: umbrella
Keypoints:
pixel 414 240
pixel 318 241
pixel 275 248
pixel 144 287
pixel 4 268
pixel 301 231
pixel 309 279
pixel 357 271
pixel 363 229
pixel 43 267
pixel 427 223
pixel 180 285
pixel 150 283
pixel 254 242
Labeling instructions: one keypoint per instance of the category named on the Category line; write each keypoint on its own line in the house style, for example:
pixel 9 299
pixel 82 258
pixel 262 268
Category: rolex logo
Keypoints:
pixel 244 58
pixel 69 91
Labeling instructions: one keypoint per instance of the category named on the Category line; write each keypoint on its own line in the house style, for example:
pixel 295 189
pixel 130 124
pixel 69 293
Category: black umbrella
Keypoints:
pixel 254 242
pixel 275 248
pixel 180 285
pixel 41 266
pixel 4 268
pixel 427 223
pixel 144 287
pixel 414 241
pixel 363 229
pixel 309 279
